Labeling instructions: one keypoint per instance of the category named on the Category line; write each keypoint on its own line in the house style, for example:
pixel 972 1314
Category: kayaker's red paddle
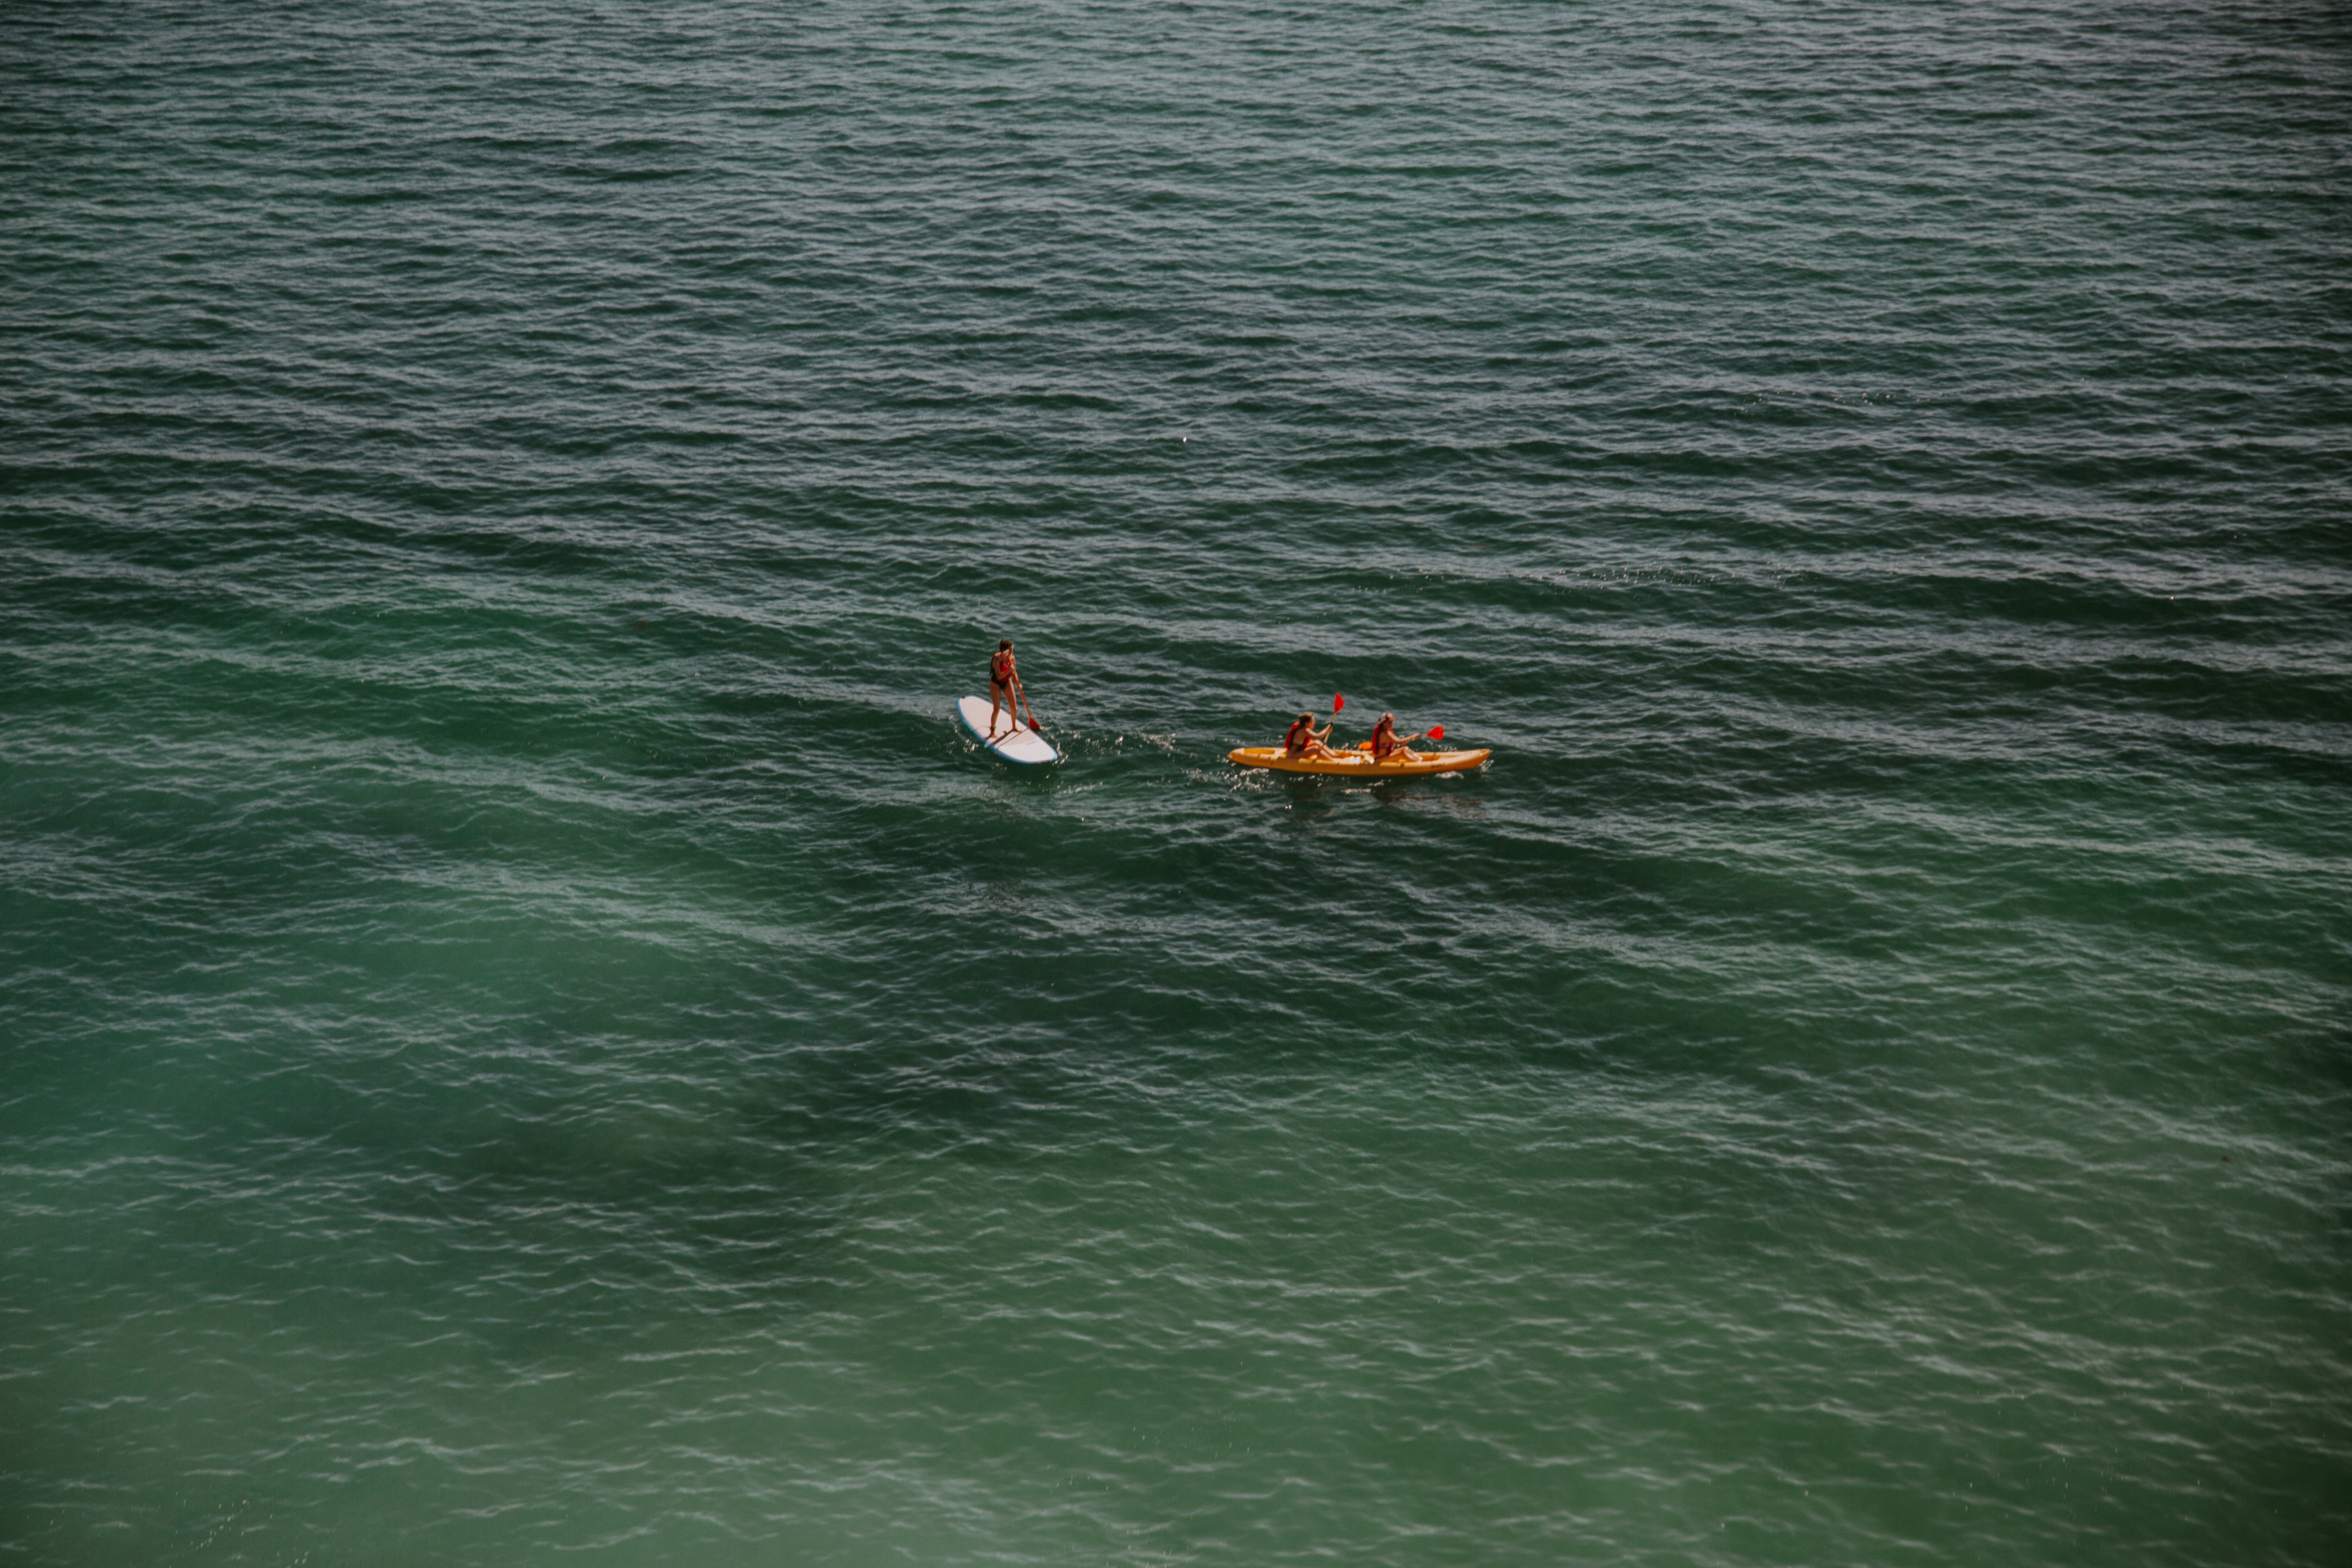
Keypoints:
pixel 1437 732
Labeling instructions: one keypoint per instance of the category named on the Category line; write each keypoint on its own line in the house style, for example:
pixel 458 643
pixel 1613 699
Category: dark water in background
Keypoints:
pixel 528 1035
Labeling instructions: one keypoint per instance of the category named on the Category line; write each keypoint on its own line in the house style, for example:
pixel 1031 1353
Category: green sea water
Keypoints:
pixel 528 1035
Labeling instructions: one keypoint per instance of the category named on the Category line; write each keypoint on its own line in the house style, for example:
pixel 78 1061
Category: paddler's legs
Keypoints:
pixel 995 696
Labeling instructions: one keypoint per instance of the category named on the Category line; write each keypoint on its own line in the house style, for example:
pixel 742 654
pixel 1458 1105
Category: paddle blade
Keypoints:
pixel 1337 701
pixel 1437 732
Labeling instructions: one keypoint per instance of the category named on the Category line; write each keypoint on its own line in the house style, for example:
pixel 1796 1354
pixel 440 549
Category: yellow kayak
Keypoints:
pixel 1360 764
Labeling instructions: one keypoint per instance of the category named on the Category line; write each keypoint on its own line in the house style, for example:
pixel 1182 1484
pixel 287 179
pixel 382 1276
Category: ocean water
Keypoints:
pixel 530 1036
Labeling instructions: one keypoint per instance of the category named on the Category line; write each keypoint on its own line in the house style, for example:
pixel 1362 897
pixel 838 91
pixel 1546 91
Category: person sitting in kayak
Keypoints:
pixel 1387 744
pixel 1004 688
pixel 1305 742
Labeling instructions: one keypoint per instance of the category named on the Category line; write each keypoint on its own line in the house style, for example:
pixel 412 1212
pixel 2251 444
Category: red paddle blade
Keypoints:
pixel 1337 701
pixel 1437 732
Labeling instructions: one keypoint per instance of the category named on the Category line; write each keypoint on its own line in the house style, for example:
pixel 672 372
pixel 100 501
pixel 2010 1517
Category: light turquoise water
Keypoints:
pixel 530 1036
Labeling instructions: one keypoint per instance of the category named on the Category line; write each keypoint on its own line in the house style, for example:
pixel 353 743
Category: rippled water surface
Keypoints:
pixel 530 1036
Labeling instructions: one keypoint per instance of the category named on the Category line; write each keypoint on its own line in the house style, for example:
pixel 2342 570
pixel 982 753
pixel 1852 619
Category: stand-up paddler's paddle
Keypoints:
pixel 1014 741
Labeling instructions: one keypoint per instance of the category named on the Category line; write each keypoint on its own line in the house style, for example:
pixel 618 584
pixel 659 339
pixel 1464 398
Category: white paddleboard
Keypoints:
pixel 1014 742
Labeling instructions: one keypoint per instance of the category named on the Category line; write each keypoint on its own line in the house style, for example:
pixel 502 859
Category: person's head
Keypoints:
pixel 1005 646
pixel 1304 718
pixel 1387 721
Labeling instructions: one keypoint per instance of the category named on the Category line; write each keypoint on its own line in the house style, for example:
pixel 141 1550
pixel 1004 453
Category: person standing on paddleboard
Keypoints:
pixel 1004 688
